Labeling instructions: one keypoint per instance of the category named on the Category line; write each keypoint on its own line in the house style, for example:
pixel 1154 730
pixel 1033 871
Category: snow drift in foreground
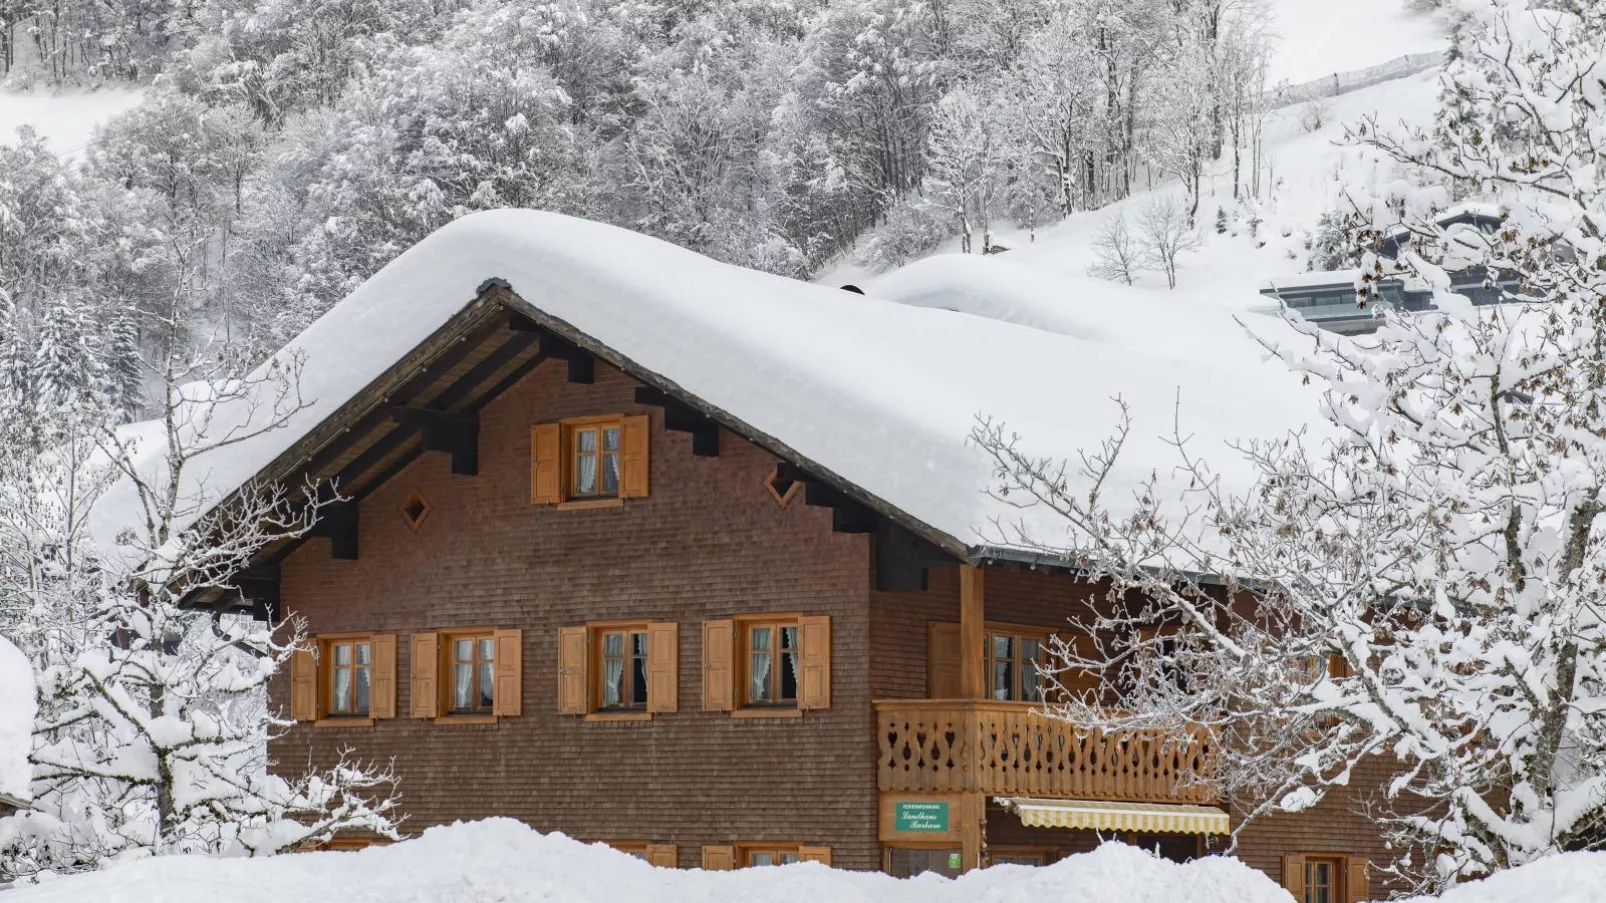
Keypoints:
pixel 504 861
pixel 1570 878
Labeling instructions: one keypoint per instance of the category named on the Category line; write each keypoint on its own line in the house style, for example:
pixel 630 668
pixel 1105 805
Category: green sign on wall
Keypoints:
pixel 920 816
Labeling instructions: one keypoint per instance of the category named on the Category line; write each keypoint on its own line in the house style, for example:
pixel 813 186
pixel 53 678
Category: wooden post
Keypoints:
pixel 972 809
pixel 972 617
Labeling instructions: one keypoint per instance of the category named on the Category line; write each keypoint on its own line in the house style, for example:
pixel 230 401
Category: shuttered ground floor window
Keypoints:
pixel 907 862
pixel 1326 878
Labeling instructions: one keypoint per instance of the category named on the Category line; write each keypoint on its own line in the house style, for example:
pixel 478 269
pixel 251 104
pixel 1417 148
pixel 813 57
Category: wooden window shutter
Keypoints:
pixel 1357 888
pixel 814 668
pixel 572 682
pixel 719 859
pixel 719 673
pixel 635 434
pixel 425 685
pixel 546 464
pixel 1294 876
pixel 382 677
pixel 942 660
pixel 508 700
pixel 304 684
pixel 663 667
pixel 663 855
pixel 814 854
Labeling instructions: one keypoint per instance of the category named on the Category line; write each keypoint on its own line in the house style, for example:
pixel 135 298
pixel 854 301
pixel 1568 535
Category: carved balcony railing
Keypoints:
pixel 958 745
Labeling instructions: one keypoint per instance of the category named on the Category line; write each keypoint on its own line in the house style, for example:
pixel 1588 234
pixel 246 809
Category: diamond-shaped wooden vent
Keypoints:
pixel 781 490
pixel 415 510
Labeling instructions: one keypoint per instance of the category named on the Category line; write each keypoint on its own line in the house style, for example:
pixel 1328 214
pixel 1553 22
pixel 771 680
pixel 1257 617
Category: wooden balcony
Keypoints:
pixel 1008 748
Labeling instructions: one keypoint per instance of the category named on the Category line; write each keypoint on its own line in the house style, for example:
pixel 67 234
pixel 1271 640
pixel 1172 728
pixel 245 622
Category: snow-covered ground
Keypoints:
pixel 502 861
pixel 18 705
pixel 67 119
pixel 505 862
pixel 1317 38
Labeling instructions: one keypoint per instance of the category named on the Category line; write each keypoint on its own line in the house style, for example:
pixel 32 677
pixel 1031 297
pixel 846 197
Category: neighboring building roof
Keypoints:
pixel 18 706
pixel 877 397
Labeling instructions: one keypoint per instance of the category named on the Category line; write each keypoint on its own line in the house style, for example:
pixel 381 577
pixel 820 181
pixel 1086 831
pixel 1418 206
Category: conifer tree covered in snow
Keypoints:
pixel 1420 595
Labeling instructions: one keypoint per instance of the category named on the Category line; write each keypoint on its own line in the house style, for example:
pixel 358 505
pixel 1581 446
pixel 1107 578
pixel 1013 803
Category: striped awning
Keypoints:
pixel 1093 815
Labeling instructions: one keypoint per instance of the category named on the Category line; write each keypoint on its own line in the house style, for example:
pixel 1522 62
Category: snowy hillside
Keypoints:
pixel 1318 38
pixel 1309 172
pixel 68 119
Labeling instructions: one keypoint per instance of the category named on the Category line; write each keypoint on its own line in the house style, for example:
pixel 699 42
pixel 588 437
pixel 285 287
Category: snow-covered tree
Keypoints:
pixel 1165 232
pixel 1420 592
pixel 1118 253
pixel 965 159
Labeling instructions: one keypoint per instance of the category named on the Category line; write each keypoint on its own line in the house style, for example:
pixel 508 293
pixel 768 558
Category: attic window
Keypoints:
pixel 781 490
pixel 415 509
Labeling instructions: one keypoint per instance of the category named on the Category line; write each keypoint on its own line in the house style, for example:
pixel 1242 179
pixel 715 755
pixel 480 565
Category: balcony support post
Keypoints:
pixel 972 633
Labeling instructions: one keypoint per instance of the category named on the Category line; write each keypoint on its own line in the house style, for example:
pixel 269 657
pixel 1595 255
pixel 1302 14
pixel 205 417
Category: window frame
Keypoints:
pixel 1339 867
pixel 326 677
pixel 1043 855
pixel 448 669
pixel 744 626
pixel 597 634
pixel 1016 633
pixel 569 431
pixel 746 851
pixel 943 848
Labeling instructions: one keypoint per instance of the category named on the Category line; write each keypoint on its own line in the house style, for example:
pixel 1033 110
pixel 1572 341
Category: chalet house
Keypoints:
pixel 1328 298
pixel 698 562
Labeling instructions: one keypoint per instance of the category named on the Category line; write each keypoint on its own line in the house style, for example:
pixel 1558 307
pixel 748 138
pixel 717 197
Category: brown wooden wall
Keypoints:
pixel 708 543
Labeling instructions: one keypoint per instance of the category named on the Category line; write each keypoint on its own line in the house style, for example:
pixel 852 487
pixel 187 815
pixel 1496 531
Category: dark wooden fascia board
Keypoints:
pixel 499 291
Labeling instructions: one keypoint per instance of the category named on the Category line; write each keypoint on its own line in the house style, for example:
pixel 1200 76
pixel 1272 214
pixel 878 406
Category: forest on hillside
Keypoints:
pixel 287 149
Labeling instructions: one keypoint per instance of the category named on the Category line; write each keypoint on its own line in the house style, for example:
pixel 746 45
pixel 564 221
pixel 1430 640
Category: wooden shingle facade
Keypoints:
pixel 562 591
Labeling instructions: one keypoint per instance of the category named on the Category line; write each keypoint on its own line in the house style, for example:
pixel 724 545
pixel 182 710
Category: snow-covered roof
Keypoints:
pixel 1318 279
pixel 18 705
pixel 880 396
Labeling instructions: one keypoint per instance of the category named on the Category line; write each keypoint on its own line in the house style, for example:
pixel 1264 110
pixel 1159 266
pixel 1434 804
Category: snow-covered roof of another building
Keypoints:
pixel 877 396
pixel 1318 279
pixel 18 706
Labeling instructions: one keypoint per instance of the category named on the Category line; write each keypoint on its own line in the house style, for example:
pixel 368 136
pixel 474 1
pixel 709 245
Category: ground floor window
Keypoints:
pixel 769 855
pixel 1019 856
pixel 907 862
pixel 632 848
pixel 1323 879
pixel 1326 878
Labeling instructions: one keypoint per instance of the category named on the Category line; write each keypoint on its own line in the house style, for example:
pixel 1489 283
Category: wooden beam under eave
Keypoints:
pixel 972 632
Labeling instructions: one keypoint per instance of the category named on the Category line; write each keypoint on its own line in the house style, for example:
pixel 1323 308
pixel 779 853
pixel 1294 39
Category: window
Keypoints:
pixel 348 664
pixel 471 672
pixel 769 855
pixel 468 675
pixel 614 670
pixel 1014 663
pixel 1322 879
pixel 623 668
pixel 1326 878
pixel 594 460
pixel 589 460
pixel 771 663
pixel 1019 856
pixel 907 862
pixel 767 665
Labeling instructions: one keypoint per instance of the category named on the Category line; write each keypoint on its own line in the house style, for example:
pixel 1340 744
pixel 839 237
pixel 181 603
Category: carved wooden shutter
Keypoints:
pixel 1357 888
pixel 814 854
pixel 663 855
pixel 572 671
pixel 635 434
pixel 663 666
pixel 719 677
pixel 943 660
pixel 719 859
pixel 1294 877
pixel 382 677
pixel 425 686
pixel 814 670
pixel 546 464
pixel 304 684
pixel 508 700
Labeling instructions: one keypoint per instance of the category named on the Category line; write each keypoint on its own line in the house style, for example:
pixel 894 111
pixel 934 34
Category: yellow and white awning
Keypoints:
pixel 1093 815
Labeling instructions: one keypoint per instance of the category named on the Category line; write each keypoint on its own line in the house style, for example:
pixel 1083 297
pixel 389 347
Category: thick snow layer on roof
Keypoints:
pixel 18 705
pixel 503 861
pixel 882 394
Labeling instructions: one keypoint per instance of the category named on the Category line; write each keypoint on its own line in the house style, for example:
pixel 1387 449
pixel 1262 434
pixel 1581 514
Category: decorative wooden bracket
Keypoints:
pixel 456 432
pixel 682 419
pixel 582 366
pixel 338 522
